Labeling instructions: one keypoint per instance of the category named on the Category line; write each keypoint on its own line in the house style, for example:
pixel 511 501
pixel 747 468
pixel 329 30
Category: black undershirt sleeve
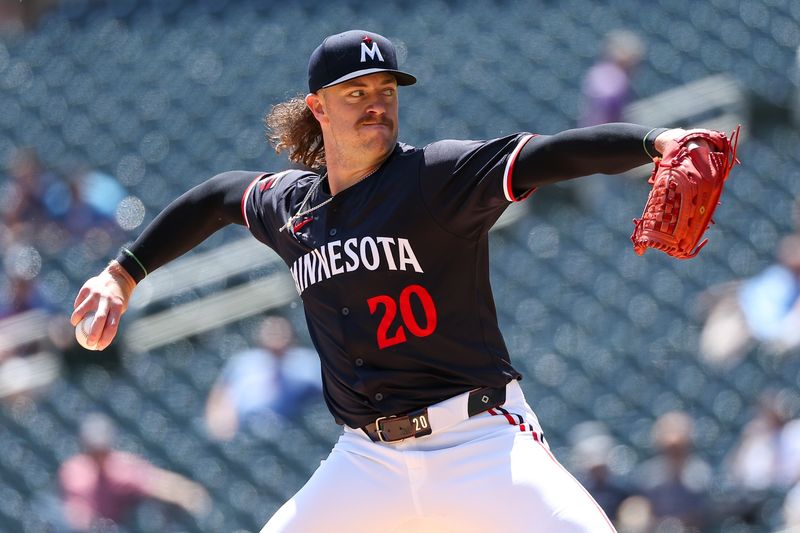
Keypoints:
pixel 216 203
pixel 604 149
pixel 188 221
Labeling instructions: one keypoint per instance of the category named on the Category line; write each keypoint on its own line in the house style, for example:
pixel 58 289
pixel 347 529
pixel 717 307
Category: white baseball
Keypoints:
pixel 82 331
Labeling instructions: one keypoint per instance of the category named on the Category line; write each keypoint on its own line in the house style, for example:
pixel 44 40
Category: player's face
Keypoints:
pixel 361 114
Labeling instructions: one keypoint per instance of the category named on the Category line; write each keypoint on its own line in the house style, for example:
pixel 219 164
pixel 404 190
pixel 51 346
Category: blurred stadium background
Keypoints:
pixel 136 101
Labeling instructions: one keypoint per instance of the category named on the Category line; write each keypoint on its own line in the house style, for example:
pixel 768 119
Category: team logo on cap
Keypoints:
pixel 371 51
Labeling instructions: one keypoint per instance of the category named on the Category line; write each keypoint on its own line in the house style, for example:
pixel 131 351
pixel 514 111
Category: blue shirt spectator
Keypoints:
pixel 277 378
pixel 770 301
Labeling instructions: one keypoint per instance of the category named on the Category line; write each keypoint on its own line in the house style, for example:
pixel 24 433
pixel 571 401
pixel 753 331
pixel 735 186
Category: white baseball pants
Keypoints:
pixel 488 473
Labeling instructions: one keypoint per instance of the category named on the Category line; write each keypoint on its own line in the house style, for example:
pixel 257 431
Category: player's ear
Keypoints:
pixel 315 104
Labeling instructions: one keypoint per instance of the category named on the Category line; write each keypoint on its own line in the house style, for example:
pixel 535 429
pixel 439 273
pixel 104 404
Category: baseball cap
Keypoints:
pixel 351 54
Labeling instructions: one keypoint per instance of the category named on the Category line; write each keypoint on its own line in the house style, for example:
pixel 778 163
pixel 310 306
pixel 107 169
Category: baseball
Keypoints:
pixel 82 331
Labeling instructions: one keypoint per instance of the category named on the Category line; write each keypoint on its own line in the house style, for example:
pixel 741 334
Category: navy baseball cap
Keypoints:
pixel 351 54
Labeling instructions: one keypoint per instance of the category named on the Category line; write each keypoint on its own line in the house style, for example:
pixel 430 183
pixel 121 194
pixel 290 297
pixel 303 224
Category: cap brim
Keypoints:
pixel 403 78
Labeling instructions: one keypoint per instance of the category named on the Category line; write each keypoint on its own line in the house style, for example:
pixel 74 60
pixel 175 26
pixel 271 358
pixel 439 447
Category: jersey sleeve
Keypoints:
pixel 260 207
pixel 466 185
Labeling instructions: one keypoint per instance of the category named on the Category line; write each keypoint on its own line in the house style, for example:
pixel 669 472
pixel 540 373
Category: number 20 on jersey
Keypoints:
pixel 389 331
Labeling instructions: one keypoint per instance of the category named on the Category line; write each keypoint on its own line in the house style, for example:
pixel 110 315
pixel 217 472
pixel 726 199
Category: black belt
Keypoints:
pixel 416 424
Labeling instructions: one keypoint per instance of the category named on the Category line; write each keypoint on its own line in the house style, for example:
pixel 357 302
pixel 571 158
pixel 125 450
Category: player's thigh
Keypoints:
pixel 348 492
pixel 517 486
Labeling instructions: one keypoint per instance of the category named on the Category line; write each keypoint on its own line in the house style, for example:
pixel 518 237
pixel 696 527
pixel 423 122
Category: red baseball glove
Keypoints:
pixel 687 183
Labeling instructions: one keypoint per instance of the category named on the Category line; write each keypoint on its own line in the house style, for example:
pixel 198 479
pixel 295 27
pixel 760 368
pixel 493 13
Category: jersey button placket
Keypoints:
pixel 378 397
pixel 332 232
pixel 359 361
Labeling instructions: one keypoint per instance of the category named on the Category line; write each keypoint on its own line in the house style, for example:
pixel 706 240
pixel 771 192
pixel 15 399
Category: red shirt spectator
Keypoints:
pixel 103 483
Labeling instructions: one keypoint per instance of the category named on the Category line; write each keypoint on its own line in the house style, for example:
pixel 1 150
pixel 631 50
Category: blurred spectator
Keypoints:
pixel 23 295
pixel 764 309
pixel 275 377
pixel 70 215
pixel 103 484
pixel 676 481
pixel 18 15
pixel 606 87
pixel 605 93
pixel 725 338
pixel 591 449
pixel 771 300
pixel 21 204
pixel 768 454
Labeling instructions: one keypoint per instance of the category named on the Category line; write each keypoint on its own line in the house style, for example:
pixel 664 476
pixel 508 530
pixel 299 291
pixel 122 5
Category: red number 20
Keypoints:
pixel 406 314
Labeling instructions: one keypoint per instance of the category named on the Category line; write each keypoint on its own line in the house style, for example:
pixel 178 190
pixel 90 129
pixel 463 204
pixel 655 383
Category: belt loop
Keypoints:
pixel 481 400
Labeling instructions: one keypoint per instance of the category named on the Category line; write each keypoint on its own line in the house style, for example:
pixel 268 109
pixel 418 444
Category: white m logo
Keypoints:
pixel 371 52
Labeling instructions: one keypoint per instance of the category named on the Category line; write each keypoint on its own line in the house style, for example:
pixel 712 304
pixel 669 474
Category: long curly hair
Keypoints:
pixel 291 126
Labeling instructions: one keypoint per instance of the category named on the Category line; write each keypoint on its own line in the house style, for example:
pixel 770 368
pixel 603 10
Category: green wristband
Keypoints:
pixel 132 256
pixel 644 142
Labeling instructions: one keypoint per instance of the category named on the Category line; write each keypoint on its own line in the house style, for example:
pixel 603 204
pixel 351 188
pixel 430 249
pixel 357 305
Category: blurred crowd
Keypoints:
pixel 676 489
pixel 52 221
pixel 55 224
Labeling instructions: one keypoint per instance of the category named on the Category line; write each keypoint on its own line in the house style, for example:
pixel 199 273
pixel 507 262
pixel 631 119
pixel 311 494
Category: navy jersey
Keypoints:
pixel 394 272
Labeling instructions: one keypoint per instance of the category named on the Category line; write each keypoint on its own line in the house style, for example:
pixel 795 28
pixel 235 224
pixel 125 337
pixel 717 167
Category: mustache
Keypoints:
pixel 372 121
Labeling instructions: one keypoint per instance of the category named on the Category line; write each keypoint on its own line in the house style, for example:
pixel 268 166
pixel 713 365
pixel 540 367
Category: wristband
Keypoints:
pixel 132 264
pixel 649 141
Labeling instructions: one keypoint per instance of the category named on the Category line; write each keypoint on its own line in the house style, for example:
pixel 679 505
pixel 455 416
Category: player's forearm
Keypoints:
pixel 187 222
pixel 604 149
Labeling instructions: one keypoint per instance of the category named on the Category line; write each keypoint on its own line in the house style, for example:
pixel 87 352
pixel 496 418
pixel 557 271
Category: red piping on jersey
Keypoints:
pixel 512 159
pixel 244 198
pixel 302 223
pixel 270 183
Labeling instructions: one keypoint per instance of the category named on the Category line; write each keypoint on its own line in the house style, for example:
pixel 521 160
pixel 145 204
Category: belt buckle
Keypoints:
pixel 378 429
